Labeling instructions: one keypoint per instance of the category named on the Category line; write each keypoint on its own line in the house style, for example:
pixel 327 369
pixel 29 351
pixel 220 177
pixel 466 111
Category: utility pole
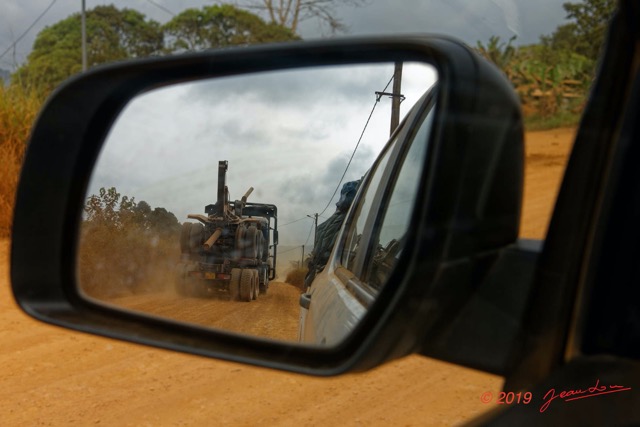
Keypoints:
pixel 84 38
pixel 302 262
pixel 315 230
pixel 396 98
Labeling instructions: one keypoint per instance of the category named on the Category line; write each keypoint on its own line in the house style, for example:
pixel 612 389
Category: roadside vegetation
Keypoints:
pixel 553 77
pixel 126 247
pixel 117 34
pixel 296 277
pixel 18 109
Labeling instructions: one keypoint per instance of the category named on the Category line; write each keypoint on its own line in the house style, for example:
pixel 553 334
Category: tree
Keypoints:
pixel 548 80
pixel 220 26
pixel 116 213
pixel 499 53
pixel 162 221
pixel 112 35
pixel 585 35
pixel 289 13
pixel 125 246
pixel 103 209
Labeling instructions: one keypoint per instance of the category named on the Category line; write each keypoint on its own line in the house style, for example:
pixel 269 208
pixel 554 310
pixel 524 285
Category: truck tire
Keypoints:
pixel 251 243
pixel 196 235
pixel 256 284
pixel 185 238
pixel 234 284
pixel 260 245
pixel 246 285
pixel 240 243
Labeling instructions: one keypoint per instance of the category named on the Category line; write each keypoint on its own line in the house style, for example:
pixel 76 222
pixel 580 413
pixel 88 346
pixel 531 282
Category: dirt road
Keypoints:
pixel 50 376
pixel 274 315
pixel 546 156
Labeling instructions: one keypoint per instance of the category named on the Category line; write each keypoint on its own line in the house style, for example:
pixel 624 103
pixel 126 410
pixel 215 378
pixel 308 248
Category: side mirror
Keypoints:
pixel 421 255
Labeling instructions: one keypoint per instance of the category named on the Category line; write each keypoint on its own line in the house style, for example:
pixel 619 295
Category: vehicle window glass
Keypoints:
pixel 353 247
pixel 395 223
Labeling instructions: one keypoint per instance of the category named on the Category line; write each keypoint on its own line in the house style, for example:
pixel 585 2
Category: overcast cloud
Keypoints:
pixel 288 134
pixel 469 20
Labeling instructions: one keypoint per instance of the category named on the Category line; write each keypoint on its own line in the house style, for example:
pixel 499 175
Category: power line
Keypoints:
pixel 298 220
pixel 356 148
pixel 159 6
pixel 292 222
pixel 28 29
pixel 309 236
pixel 299 246
pixel 343 175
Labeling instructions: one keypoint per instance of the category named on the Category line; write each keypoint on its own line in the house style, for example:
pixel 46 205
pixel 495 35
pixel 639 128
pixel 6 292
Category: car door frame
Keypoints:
pixel 355 295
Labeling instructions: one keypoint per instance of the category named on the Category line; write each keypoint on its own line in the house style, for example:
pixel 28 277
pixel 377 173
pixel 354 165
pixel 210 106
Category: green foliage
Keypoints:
pixel 548 81
pixel 500 54
pixel 220 26
pixel 116 213
pixel 112 34
pixel 586 34
pixel 126 247
pixel 117 34
pixel 553 77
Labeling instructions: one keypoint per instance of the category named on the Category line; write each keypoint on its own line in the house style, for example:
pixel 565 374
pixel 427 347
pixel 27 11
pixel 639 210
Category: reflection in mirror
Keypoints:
pixel 204 200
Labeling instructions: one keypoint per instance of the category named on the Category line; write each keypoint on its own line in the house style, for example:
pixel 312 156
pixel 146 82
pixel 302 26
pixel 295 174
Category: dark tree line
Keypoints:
pixel 116 213
pixel 117 34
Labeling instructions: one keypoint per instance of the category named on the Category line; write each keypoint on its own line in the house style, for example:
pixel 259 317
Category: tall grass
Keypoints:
pixel 296 277
pixel 17 113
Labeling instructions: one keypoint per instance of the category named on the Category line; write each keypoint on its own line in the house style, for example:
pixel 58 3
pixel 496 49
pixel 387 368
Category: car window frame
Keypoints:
pixel 401 157
pixel 399 143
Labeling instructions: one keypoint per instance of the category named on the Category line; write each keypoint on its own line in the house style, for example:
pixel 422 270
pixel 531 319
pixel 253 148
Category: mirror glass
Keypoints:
pixel 208 196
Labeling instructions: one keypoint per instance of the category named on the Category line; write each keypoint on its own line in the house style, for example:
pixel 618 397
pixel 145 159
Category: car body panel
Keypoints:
pixel 335 311
pixel 338 298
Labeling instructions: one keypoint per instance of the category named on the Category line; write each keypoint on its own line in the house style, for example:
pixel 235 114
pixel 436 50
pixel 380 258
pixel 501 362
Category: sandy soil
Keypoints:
pixel 274 315
pixel 50 376
pixel 546 155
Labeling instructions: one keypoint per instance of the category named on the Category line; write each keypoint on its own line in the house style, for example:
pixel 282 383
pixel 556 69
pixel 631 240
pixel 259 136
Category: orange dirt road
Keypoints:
pixel 51 376
pixel 274 315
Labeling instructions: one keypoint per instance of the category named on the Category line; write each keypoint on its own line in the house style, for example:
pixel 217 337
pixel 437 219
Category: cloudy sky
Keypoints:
pixel 288 134
pixel 469 20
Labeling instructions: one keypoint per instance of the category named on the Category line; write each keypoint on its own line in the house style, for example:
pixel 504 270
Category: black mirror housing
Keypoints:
pixel 468 209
